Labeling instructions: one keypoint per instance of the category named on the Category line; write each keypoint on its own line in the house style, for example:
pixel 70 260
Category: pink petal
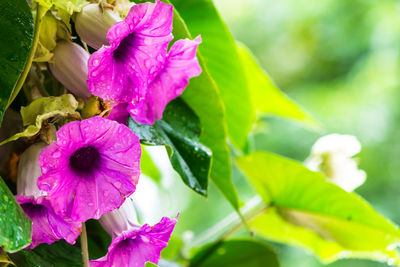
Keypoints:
pixel 119 113
pixel 136 247
pixel 47 227
pixel 180 66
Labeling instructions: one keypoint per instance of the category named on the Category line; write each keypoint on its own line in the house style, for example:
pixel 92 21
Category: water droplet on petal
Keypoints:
pixel 56 154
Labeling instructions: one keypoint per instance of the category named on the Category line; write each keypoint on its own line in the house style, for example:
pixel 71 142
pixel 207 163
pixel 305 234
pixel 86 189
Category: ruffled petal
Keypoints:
pixel 47 227
pixel 180 66
pixel 137 51
pixel 136 247
pixel 111 79
pixel 61 190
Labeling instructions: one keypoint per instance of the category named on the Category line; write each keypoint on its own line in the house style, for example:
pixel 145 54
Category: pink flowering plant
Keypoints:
pixel 105 104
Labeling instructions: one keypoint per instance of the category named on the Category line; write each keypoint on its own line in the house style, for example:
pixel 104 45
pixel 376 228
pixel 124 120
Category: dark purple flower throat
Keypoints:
pixel 85 160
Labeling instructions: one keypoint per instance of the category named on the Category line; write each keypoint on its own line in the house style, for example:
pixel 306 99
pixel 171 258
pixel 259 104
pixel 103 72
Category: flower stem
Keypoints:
pixel 40 11
pixel 84 247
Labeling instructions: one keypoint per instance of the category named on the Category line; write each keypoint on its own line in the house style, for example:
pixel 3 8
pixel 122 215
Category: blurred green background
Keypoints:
pixel 340 60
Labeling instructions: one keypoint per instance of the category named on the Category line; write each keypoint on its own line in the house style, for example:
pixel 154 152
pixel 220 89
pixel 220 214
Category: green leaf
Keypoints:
pixel 266 96
pixel 314 214
pixel 223 62
pixel 64 8
pixel 16 31
pixel 59 254
pixel 179 129
pixel 150 264
pixel 148 167
pixel 15 226
pixel 173 248
pixel 42 109
pixel 70 6
pixel 202 95
pixel 47 107
pixel 50 31
pixel 236 253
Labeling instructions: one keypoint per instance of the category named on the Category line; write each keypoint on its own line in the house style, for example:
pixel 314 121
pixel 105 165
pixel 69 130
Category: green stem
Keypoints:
pixel 40 11
pixel 248 217
pixel 84 246
pixel 227 223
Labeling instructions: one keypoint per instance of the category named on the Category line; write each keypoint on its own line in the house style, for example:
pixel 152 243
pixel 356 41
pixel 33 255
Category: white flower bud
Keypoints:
pixel 93 23
pixel 70 66
pixel 332 155
pixel 120 220
pixel 29 171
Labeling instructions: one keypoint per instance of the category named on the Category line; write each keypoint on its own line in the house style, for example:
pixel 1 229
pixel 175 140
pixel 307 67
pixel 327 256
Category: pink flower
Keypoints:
pixel 47 226
pixel 136 69
pixel 133 245
pixel 91 169
pixel 137 51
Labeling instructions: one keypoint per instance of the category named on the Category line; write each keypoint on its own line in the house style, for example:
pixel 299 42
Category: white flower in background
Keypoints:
pixel 333 156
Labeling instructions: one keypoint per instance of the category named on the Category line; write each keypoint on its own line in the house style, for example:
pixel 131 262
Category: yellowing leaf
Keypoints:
pixel 43 109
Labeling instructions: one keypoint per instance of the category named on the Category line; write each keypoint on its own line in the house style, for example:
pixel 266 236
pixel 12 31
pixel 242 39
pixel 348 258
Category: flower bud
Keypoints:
pixel 120 220
pixel 29 171
pixel 69 66
pixel 93 23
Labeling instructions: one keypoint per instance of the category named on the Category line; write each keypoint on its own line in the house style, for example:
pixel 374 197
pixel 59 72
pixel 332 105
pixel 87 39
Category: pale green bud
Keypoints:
pixel 70 66
pixel 93 23
pixel 29 171
pixel 120 220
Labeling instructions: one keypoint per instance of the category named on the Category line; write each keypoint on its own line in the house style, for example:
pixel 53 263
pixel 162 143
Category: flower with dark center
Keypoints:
pixel 132 244
pixel 136 70
pixel 138 47
pixel 91 168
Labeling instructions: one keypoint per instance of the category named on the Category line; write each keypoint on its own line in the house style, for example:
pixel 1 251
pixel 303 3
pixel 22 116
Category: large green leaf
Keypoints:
pixel 59 254
pixel 223 62
pixel 312 213
pixel 236 253
pixel 16 34
pixel 202 95
pixel 15 226
pixel 179 130
pixel 266 96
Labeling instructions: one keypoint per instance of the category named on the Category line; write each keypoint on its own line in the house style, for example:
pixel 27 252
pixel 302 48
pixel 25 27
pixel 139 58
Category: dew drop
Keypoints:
pixel 147 63
pixel 56 154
